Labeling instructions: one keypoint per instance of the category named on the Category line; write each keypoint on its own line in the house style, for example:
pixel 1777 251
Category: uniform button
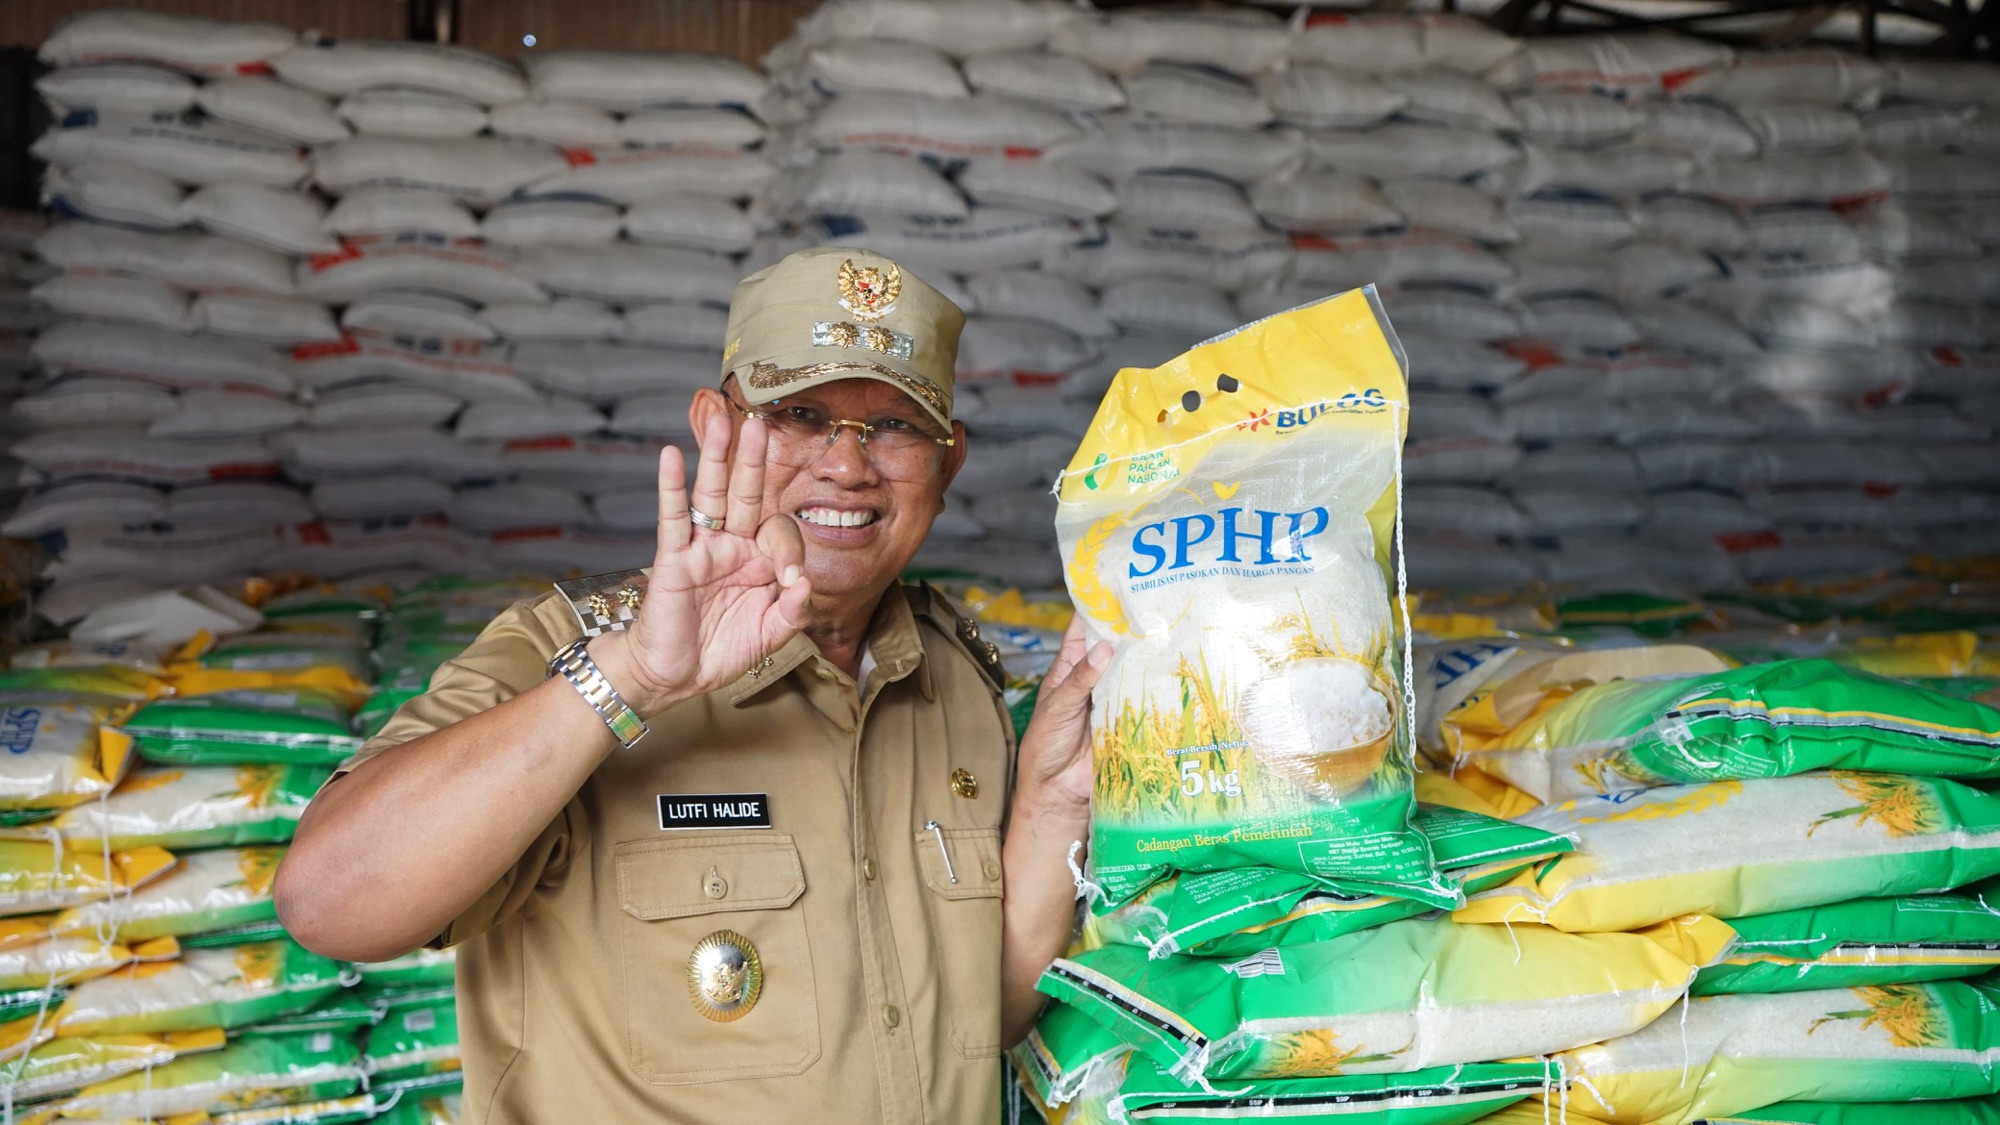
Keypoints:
pixel 826 673
pixel 715 886
pixel 867 867
pixel 991 869
pixel 891 1016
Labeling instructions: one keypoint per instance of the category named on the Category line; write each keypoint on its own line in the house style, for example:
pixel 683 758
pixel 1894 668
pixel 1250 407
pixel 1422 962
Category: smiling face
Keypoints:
pixel 861 528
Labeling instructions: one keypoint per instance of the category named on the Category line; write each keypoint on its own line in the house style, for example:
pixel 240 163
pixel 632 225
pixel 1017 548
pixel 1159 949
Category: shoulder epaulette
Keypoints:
pixel 605 603
pixel 928 602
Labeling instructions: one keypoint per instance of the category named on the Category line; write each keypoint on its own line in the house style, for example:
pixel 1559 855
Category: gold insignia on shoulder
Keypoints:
pixel 725 976
pixel 964 784
pixel 605 603
pixel 869 293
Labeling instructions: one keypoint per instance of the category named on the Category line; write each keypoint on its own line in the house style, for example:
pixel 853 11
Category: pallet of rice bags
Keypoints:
pixel 1738 848
pixel 1413 994
pixel 1572 728
pixel 210 890
pixel 1862 942
pixel 228 987
pixel 250 1073
pixel 1723 1055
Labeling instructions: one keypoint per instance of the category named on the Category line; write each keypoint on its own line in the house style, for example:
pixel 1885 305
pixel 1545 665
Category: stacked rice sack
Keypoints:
pixel 337 305
pixel 148 798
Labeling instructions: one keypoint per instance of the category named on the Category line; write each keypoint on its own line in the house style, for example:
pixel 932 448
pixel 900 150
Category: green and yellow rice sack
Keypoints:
pixel 1388 1000
pixel 1738 848
pixel 1867 941
pixel 57 751
pixel 1728 1055
pixel 420 969
pixel 1763 720
pixel 1226 526
pixel 1960 1111
pixel 1062 1053
pixel 246 1074
pixel 1437 1096
pixel 210 890
pixel 413 1041
pixel 63 1066
pixel 36 876
pixel 196 807
pixel 245 727
pixel 228 987
pixel 34 955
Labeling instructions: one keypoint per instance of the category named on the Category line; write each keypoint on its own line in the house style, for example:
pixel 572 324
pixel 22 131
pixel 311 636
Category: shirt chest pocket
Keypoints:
pixel 742 890
pixel 964 899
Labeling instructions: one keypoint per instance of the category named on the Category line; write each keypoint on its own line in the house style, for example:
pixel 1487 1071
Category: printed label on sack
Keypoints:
pixel 714 810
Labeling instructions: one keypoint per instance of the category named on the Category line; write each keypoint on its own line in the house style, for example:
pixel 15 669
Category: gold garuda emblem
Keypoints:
pixel 725 976
pixel 869 293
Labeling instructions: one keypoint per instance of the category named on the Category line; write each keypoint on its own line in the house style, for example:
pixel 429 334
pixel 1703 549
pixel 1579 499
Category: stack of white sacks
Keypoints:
pixel 1674 315
pixel 348 306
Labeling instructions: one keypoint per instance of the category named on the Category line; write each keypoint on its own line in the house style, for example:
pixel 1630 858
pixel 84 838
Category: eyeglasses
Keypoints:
pixel 801 433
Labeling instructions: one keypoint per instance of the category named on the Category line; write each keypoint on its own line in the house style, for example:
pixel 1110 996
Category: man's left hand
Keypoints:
pixel 1055 765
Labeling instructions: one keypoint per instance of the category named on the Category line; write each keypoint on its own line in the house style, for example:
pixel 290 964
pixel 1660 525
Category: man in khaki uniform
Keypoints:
pixel 743 837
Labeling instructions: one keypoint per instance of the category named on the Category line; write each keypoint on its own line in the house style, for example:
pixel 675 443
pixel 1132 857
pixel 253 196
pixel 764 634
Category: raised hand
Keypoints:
pixel 720 599
pixel 1055 763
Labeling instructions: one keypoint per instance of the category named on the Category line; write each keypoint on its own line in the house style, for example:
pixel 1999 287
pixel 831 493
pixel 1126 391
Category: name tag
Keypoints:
pixel 714 810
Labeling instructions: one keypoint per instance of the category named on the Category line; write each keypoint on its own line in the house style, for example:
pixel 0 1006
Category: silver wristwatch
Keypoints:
pixel 574 664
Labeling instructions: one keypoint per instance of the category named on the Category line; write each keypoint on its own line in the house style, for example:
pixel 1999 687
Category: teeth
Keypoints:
pixel 834 517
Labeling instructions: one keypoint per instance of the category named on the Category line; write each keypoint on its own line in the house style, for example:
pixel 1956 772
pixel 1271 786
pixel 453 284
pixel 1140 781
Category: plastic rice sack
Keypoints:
pixel 1728 1054
pixel 1867 941
pixel 1957 1111
pixel 1741 848
pixel 1388 1000
pixel 249 1073
pixel 38 876
pixel 414 1041
pixel 228 987
pixel 321 1111
pixel 64 1065
pixel 1063 1053
pixel 1226 526
pixel 1438 1096
pixel 345 1011
pixel 34 956
pixel 1763 720
pixel 244 726
pixel 423 1111
pixel 70 653
pixel 208 891
pixel 1237 912
pixel 423 968
pixel 280 660
pixel 196 807
pixel 57 752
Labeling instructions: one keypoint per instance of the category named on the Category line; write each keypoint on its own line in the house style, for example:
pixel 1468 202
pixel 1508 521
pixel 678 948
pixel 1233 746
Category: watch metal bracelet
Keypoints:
pixel 574 664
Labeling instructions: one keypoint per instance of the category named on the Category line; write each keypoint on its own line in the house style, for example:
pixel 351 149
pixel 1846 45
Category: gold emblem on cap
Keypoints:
pixel 964 784
pixel 869 293
pixel 724 976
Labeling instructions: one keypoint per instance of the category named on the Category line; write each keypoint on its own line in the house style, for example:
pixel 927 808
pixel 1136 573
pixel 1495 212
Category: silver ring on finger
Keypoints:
pixel 704 520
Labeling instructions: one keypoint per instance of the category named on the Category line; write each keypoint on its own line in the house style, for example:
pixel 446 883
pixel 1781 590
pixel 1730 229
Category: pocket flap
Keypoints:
pixel 975 860
pixel 682 878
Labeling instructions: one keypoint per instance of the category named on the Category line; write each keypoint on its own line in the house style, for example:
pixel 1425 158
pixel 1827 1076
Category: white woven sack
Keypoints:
pixel 1648 271
pixel 1812 76
pixel 993 348
pixel 458 368
pixel 1575 419
pixel 1022 513
pixel 604 373
pixel 182 147
pixel 1699 513
pixel 699 127
pixel 675 325
pixel 369 406
pixel 1682 417
pixel 1798 372
pixel 621 273
pixel 1478 512
pixel 344 66
pixel 375 210
pixel 1579 507
pixel 1242 41
pixel 1790 323
pixel 126 453
pixel 289 222
pixel 1950 178
pixel 139 352
pixel 662 414
pixel 1697 127
pixel 1915 127
pixel 1007 465
pixel 1027 294
pixel 180 554
pixel 1455 209
pixel 1831 178
pixel 1619 171
pixel 220 415
pixel 1855 284
pixel 1566 118
pixel 1233 260
pixel 552 221
pixel 1581 321
pixel 627 509
pixel 402 112
pixel 1030 405
pixel 1322 97
pixel 565 318
pixel 949 129
pixel 1407 149
pixel 480 170
pixel 1693 220
pixel 427 315
pixel 1802 229
pixel 263 318
pixel 86 501
pixel 133 87
pixel 1447 97
pixel 1434 414
pixel 557 123
pixel 1645 62
pixel 1957 463
pixel 1335 265
pixel 1802 414
pixel 115 193
pixel 1183 201
pixel 1449 561
pixel 498 507
pixel 845 66
pixel 93 400
pixel 1929 324
pixel 1162 305
pixel 588 464
pixel 1035 185
pixel 992 238
pixel 1572 221
pixel 320 455
pixel 628 176
pixel 272 107
pixel 844 182
pixel 1787 127
pixel 1539 274
pixel 511 421
pixel 1128 145
pixel 380 497
pixel 1197 94
pixel 951 25
pixel 1458 460
pixel 1036 76
pixel 627 80
pixel 198 46
pixel 1464 43
pixel 463 268
pixel 398 549
pixel 1974 282
pixel 1451 313
pixel 1950 81
pixel 1323 201
pixel 693 221
pixel 1570 464
pixel 1357 43
pixel 140 300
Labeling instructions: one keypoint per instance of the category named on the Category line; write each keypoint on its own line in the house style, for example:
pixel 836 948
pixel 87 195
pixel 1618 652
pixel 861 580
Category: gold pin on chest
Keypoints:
pixel 963 784
pixel 725 976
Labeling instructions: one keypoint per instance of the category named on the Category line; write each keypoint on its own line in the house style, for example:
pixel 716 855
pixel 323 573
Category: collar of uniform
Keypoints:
pixel 892 637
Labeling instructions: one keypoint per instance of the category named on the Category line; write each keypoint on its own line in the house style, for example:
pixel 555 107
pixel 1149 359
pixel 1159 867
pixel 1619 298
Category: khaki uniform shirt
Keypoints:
pixel 881 993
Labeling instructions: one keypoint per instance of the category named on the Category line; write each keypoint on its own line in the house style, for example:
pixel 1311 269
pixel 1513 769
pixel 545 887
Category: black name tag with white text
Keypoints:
pixel 714 810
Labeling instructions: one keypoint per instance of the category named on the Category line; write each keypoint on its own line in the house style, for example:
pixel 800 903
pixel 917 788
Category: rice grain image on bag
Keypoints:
pixel 1226 525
